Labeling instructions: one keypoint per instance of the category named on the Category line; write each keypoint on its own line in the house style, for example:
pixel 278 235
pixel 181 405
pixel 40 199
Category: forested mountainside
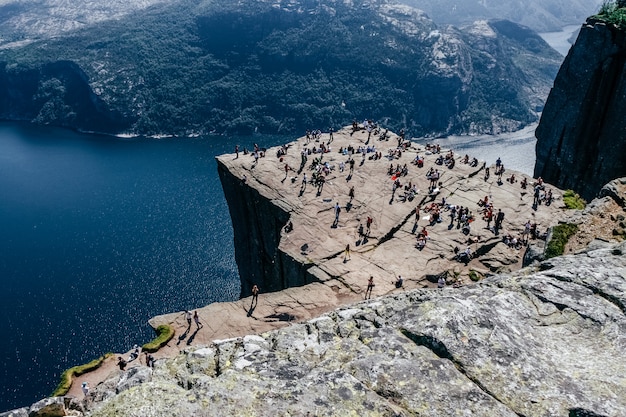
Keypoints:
pixel 279 66
pixel 28 20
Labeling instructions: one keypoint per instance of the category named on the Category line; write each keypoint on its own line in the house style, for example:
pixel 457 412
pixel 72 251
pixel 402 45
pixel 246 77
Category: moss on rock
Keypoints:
pixel 164 333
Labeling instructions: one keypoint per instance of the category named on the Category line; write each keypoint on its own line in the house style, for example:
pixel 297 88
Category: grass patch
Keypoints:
pixel 560 236
pixel 474 276
pixel 69 374
pixel 613 12
pixel 573 200
pixel 164 334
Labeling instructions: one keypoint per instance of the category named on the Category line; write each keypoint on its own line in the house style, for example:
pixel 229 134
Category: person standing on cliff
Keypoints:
pixel 85 388
pixel 370 288
pixel 188 318
pixel 236 151
pixel 337 211
pixel 351 193
pixel 330 134
pixel 121 363
pixel 498 221
pixel 346 255
pixel 196 318
pixel 255 294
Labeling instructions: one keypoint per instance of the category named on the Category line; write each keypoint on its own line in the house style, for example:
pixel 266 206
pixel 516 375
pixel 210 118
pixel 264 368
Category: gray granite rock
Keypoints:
pixel 20 412
pixel 581 138
pixel 49 407
pixel 615 189
pixel 133 377
pixel 539 342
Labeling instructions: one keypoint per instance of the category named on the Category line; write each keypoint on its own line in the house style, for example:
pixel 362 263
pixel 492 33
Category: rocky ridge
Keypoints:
pixel 184 67
pixel 538 342
pixel 539 15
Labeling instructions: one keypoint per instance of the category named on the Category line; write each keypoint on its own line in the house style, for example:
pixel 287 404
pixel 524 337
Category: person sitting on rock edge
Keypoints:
pixel 121 363
pixel 399 281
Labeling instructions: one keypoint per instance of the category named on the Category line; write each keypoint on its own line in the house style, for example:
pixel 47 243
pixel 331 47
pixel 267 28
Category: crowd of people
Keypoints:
pixel 406 190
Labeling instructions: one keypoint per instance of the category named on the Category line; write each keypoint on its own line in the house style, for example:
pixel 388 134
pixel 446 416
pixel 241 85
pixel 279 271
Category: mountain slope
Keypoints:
pixel 540 15
pixel 284 67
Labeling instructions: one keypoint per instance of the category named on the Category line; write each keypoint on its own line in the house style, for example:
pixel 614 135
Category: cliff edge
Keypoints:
pixel 581 138
pixel 288 232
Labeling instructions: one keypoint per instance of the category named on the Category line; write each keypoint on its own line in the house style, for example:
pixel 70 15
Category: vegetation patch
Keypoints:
pixel 573 200
pixel 164 334
pixel 475 276
pixel 613 12
pixel 69 374
pixel 560 236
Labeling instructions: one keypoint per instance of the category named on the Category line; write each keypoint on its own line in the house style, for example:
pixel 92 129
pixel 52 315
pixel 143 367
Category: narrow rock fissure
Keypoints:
pixel 608 297
pixel 344 283
pixel 562 307
pixel 439 348
pixel 389 235
pixel 473 174
pixel 597 291
pixel 218 358
pixel 581 412
pixel 486 248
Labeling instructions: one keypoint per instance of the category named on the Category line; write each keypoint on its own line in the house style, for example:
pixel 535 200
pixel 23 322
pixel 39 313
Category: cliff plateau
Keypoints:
pixel 581 138
pixel 312 248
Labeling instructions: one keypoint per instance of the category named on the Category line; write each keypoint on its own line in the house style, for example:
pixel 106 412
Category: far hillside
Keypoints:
pixel 189 67
pixel 539 15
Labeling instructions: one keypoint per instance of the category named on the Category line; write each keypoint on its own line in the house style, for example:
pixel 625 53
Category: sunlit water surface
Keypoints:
pixel 97 235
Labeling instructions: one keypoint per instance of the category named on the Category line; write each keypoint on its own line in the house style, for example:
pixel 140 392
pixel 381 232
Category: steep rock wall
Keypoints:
pixel 258 222
pixel 581 138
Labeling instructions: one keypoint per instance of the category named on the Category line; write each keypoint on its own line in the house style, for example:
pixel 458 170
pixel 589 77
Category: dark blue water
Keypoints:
pixel 97 235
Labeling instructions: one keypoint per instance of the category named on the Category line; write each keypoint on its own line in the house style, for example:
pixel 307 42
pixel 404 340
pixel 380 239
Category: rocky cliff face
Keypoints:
pixel 258 223
pixel 540 342
pixel 581 139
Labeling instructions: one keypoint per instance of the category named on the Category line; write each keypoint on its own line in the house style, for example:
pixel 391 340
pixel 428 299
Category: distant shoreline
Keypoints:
pixel 560 40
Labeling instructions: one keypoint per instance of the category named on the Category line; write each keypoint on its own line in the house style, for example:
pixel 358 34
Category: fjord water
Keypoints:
pixel 97 235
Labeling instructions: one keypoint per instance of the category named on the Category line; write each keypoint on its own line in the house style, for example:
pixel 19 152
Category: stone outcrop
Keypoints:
pixel 263 199
pixel 582 133
pixel 259 225
pixel 539 342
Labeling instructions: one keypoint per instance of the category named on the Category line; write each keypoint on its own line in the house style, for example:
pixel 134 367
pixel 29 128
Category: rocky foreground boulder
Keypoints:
pixel 545 341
